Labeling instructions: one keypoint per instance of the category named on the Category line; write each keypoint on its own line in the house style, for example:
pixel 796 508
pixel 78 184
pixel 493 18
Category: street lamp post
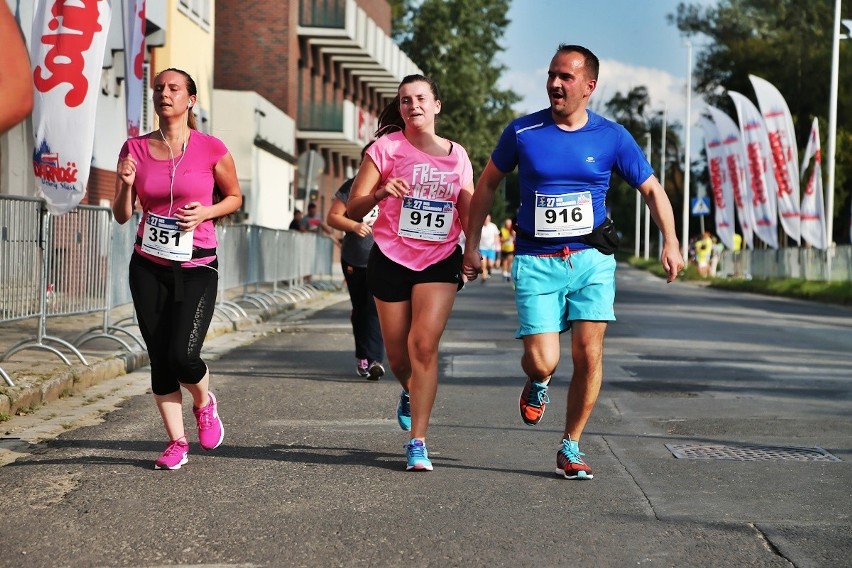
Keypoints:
pixel 832 121
pixel 647 220
pixel 684 244
pixel 662 172
pixel 637 223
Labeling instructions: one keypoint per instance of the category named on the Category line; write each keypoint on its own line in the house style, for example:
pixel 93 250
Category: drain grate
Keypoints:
pixel 749 453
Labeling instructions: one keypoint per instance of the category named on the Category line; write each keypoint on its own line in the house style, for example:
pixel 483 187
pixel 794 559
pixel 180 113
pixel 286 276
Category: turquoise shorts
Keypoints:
pixel 490 254
pixel 551 292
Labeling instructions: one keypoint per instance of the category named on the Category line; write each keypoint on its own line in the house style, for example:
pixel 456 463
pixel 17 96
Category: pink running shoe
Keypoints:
pixel 174 456
pixel 211 431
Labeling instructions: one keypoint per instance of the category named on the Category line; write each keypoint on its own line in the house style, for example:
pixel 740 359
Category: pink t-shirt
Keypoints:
pixel 434 178
pixel 193 181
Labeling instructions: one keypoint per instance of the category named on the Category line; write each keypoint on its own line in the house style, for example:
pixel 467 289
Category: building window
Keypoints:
pixel 196 10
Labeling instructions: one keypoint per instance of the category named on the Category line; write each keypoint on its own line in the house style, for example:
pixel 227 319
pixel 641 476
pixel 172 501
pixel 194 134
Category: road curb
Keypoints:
pixel 27 397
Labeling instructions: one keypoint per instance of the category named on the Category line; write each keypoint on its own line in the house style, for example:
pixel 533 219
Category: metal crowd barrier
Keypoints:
pixel 22 291
pixel 276 270
pixel 71 256
pixel 55 266
pixel 834 264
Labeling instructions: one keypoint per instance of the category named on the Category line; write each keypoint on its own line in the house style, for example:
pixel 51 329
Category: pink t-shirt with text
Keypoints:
pixel 439 178
pixel 193 181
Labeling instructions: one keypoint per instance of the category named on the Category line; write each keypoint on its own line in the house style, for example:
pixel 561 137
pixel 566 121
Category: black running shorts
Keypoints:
pixel 392 282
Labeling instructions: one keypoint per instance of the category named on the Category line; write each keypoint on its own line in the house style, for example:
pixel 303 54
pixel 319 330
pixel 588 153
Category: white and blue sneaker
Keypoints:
pixel 418 457
pixel 403 411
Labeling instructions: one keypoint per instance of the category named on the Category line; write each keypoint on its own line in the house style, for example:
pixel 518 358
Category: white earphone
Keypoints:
pixel 190 104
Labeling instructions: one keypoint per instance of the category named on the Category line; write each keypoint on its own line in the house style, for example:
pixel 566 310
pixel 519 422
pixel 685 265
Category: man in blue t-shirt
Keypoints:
pixel 564 271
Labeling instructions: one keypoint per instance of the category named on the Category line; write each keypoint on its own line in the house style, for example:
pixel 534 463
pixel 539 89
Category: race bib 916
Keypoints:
pixel 566 215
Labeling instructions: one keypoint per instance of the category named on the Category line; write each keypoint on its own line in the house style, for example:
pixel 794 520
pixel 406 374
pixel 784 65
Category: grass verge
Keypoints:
pixel 839 293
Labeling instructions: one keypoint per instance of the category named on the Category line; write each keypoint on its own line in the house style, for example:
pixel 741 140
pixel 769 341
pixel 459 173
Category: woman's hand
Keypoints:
pixel 191 215
pixel 126 170
pixel 396 187
pixel 472 264
pixel 363 230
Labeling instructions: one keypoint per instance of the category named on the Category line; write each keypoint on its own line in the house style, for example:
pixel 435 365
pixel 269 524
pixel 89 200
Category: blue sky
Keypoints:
pixel 635 44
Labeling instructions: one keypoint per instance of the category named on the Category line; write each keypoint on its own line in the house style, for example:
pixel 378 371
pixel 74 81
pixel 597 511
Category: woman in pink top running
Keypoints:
pixel 423 184
pixel 183 180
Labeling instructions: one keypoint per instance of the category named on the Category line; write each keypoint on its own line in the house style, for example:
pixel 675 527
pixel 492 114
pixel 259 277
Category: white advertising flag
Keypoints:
pixel 785 153
pixel 67 52
pixel 722 192
pixel 759 171
pixel 134 58
pixel 813 207
pixel 732 147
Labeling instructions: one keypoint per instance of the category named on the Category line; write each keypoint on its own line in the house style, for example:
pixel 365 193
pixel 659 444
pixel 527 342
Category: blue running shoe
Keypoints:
pixel 569 462
pixel 403 411
pixel 418 457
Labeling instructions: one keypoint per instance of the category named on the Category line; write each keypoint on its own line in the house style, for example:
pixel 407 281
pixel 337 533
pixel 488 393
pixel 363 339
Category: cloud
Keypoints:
pixel 664 89
pixel 530 85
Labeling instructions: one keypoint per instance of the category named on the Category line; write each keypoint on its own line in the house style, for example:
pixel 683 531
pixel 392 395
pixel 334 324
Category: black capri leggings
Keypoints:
pixel 173 329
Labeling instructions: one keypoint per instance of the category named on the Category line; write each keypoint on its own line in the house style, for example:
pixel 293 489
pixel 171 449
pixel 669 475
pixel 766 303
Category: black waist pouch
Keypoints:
pixel 604 237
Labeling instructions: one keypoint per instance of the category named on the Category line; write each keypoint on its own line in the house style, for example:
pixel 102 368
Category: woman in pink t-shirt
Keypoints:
pixel 423 184
pixel 183 180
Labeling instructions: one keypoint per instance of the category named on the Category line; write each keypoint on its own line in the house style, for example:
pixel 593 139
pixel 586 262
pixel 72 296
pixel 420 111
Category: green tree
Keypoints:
pixel 455 43
pixel 788 43
pixel 634 113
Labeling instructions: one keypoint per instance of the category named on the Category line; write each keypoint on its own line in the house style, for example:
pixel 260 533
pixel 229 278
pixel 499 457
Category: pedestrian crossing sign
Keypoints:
pixel 700 206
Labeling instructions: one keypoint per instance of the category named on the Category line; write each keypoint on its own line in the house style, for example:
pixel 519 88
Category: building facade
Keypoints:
pixel 293 88
pixel 329 64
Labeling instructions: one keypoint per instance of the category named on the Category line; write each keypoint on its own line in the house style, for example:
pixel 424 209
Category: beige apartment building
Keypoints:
pixel 292 87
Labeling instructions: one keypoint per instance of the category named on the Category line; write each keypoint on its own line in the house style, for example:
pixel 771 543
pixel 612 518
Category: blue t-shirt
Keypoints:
pixel 555 162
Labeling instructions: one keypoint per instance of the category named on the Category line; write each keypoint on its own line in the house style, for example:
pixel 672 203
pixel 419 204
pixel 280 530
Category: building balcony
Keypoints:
pixel 353 42
pixel 343 128
pixel 343 31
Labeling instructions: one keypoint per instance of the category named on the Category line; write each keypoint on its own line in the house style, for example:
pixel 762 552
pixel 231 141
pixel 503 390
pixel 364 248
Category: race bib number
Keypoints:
pixel 162 237
pixel 425 219
pixel 370 218
pixel 567 215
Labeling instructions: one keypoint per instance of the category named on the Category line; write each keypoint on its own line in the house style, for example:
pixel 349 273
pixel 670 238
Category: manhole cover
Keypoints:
pixel 749 453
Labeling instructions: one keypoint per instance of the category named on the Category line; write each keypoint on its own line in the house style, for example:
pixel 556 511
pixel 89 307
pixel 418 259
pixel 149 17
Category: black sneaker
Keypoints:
pixel 376 371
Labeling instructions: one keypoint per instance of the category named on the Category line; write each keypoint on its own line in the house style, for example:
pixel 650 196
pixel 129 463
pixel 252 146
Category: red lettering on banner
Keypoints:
pixel 776 144
pixel 810 188
pixel 733 170
pixel 139 60
pixel 57 174
pixel 716 182
pixel 755 165
pixel 64 61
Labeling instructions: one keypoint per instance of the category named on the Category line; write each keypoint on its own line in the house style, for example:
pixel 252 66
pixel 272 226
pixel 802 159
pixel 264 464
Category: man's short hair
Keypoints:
pixel 591 63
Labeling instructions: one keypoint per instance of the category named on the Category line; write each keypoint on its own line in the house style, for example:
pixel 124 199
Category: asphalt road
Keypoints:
pixel 312 469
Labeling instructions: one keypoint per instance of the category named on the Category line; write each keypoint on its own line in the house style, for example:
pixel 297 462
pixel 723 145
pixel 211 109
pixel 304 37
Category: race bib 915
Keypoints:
pixel 425 219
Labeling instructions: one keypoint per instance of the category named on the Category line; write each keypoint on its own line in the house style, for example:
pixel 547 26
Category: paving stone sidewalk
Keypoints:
pixel 40 375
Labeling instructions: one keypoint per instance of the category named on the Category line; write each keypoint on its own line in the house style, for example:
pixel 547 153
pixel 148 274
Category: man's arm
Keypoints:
pixel 661 210
pixel 480 205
